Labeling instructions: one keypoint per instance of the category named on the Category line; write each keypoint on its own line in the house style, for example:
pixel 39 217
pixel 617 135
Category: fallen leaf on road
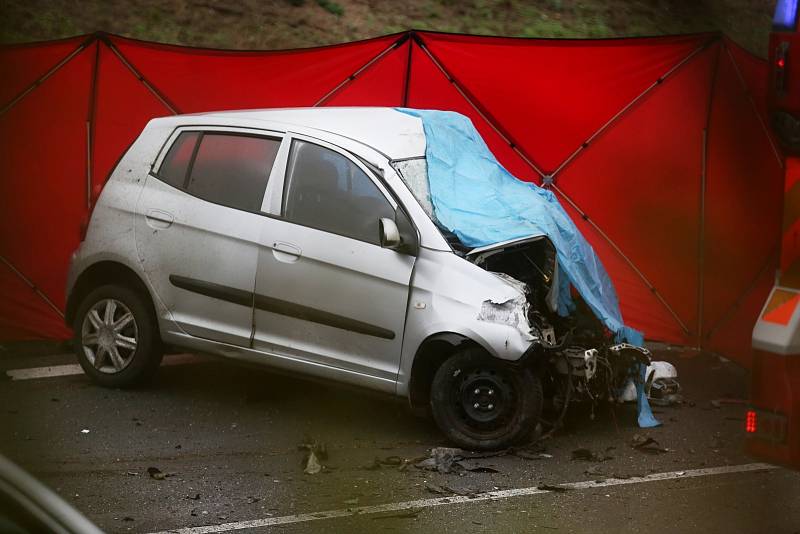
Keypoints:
pixel 647 445
pixel 155 473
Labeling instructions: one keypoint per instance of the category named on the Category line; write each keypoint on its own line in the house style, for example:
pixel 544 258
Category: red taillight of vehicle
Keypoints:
pixel 750 422
pixel 781 59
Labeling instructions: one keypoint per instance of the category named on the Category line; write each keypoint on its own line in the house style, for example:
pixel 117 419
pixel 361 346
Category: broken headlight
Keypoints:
pixel 512 312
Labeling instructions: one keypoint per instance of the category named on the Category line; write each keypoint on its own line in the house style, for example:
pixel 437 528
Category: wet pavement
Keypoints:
pixel 227 441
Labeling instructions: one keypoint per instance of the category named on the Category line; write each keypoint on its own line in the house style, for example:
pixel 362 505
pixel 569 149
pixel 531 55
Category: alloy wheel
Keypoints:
pixel 109 336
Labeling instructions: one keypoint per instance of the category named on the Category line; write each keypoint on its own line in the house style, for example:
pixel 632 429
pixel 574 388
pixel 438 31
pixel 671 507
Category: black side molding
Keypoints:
pixel 281 307
pixel 215 291
pixel 314 315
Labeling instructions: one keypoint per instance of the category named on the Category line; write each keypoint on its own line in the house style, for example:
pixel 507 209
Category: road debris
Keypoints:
pixel 594 470
pixel 587 455
pixel 156 473
pixel 434 488
pixel 391 461
pixel 647 445
pixel 528 455
pixel 312 464
pixel 475 466
pixel 405 514
pixel 449 460
pixel 661 385
pixel 550 487
pixel 441 459
pixel 315 453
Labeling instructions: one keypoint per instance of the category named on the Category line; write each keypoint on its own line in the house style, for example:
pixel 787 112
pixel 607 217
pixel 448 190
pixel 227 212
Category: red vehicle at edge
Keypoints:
pixel 773 420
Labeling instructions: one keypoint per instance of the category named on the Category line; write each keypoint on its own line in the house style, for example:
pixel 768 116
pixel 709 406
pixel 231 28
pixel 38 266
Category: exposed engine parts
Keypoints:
pixel 579 362
pixel 575 355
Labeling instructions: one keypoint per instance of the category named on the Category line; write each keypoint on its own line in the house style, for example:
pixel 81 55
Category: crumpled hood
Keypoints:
pixel 483 204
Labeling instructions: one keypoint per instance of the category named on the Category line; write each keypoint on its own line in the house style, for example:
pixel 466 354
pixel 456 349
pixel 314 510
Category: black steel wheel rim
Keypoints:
pixel 485 399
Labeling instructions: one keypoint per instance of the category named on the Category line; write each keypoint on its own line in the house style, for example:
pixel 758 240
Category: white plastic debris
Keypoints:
pixel 661 383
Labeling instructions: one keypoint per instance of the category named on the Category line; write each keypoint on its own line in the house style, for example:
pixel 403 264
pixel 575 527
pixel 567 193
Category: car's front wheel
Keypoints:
pixel 116 337
pixel 483 403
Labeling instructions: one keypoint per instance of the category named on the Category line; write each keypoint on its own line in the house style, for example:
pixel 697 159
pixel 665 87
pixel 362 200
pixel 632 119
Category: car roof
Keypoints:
pixel 391 132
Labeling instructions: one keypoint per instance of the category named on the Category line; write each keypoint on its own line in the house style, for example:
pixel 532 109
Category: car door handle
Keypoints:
pixel 286 252
pixel 159 219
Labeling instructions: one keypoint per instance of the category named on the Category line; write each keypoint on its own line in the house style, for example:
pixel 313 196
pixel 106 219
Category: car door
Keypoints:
pixel 198 225
pixel 326 291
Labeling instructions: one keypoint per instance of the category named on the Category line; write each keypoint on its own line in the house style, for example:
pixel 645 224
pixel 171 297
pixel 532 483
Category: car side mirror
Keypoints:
pixel 390 235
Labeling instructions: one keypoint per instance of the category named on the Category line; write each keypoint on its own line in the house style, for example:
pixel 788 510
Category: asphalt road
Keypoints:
pixel 226 440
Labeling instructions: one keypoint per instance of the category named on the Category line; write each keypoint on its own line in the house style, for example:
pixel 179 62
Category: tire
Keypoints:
pixel 132 331
pixel 509 401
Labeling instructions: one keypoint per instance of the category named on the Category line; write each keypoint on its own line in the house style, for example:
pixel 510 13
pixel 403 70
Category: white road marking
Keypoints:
pixel 75 369
pixel 456 499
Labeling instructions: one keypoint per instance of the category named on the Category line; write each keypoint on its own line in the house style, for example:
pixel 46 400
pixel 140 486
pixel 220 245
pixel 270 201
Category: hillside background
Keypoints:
pixel 275 24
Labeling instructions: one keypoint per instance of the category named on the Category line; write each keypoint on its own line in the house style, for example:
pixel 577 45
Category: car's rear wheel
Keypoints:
pixel 116 337
pixel 483 403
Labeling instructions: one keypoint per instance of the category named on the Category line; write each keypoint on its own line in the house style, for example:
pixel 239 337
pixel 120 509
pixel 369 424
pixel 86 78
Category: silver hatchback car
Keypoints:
pixel 304 239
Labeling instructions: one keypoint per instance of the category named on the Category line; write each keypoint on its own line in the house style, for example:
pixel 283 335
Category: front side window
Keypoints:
pixel 414 172
pixel 327 191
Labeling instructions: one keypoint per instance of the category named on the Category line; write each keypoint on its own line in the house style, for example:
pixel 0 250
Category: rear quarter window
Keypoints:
pixel 176 163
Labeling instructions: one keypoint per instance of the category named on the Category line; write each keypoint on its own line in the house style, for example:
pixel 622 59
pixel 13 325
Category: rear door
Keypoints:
pixel 326 291
pixel 197 228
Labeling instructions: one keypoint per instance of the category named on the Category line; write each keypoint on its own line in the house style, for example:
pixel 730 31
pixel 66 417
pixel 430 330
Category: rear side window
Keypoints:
pixel 232 170
pixel 176 162
pixel 327 191
pixel 227 169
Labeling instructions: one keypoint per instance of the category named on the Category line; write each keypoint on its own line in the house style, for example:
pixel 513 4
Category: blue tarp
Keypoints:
pixel 474 197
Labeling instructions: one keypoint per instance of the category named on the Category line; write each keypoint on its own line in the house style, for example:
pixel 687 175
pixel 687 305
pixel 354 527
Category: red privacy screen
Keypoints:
pixel 657 147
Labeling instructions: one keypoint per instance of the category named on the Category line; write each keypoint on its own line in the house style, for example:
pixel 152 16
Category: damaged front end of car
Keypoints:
pixel 576 356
